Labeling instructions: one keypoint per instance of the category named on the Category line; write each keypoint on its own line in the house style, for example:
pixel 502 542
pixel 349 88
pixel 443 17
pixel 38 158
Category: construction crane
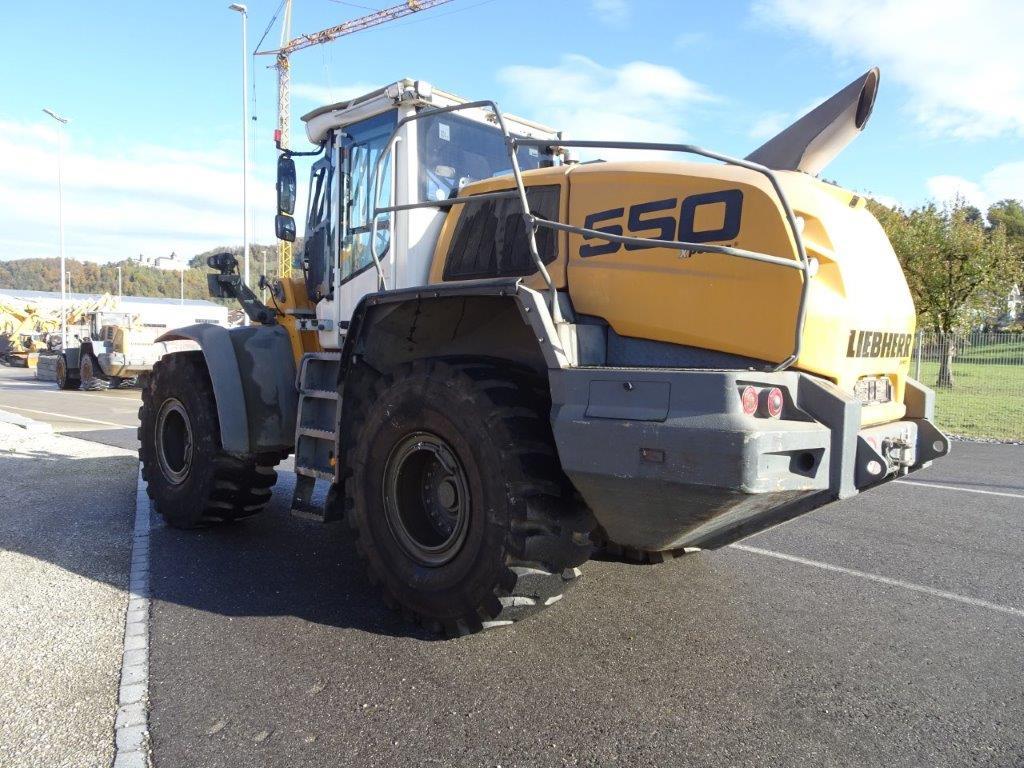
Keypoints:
pixel 282 135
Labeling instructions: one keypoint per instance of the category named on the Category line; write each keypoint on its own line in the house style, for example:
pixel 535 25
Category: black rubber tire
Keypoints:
pixel 217 486
pixel 526 532
pixel 90 373
pixel 65 381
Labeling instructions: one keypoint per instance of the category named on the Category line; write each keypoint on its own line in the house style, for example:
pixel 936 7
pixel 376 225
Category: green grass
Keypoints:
pixel 987 399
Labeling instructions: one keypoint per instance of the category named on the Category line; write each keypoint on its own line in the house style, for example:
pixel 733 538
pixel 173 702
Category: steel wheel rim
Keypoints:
pixel 426 499
pixel 173 440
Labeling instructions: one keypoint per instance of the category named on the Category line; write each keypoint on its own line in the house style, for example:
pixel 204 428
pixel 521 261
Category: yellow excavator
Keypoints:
pixel 499 358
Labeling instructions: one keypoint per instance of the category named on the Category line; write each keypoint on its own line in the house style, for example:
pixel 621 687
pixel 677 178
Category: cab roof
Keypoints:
pixel 323 119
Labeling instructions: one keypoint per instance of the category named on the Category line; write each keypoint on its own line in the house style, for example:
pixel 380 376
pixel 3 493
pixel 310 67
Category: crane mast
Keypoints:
pixel 282 135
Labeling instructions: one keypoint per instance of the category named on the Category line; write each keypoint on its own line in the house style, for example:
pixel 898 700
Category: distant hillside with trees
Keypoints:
pixel 136 279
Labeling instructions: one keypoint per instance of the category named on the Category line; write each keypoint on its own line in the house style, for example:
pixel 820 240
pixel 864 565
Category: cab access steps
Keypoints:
pixel 316 434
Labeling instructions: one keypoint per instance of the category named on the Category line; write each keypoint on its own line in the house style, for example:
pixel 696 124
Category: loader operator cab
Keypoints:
pixel 430 159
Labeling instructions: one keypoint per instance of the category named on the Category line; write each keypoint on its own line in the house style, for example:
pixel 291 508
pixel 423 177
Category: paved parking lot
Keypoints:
pixel 270 648
pixel 885 630
pixel 102 417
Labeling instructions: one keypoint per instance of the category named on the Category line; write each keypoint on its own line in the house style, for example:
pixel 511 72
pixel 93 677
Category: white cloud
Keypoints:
pixel 1003 181
pixel 122 201
pixel 769 124
pixel 963 63
pixel 887 200
pixel 321 95
pixel 638 101
pixel 610 11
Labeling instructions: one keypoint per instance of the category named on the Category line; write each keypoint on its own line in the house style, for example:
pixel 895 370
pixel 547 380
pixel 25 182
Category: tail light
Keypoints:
pixel 763 402
pixel 749 398
pixel 773 402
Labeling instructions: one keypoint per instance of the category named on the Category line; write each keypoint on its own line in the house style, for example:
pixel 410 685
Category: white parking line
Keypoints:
pixel 941 487
pixel 69 416
pixel 974 601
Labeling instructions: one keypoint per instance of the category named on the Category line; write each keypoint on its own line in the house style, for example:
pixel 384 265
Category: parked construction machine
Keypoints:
pixel 498 358
pixel 106 349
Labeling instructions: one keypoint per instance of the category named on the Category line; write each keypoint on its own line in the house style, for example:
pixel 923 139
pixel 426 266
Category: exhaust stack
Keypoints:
pixel 812 142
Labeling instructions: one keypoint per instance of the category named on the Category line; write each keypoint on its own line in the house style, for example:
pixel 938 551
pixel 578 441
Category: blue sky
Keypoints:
pixel 152 89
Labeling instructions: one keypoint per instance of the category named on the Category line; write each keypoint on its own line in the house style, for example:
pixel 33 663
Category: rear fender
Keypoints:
pixel 253 376
pixel 71 358
pixel 471 319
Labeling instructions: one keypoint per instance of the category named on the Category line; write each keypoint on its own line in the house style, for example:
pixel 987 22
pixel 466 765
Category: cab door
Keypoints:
pixel 362 145
pixel 317 261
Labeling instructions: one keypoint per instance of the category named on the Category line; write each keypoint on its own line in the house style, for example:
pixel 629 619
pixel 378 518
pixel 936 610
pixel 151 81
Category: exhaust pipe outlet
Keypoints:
pixel 812 142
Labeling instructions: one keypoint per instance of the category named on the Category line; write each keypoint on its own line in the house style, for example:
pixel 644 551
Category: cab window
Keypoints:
pixel 455 151
pixel 364 144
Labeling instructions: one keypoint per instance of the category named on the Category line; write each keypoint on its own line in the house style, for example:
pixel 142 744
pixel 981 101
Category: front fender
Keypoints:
pixel 253 376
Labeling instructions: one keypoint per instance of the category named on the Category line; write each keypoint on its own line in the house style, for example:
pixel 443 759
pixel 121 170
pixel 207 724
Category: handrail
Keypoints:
pixel 803 264
pixel 556 314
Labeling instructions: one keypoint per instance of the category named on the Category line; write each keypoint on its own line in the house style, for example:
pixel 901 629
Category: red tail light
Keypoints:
pixel 749 399
pixel 773 402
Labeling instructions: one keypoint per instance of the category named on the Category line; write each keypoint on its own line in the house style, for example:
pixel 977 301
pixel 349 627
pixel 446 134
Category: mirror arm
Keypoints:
pixel 293 153
pixel 226 283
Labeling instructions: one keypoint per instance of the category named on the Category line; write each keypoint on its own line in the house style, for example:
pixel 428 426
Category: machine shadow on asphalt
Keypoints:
pixel 21 517
pixel 236 570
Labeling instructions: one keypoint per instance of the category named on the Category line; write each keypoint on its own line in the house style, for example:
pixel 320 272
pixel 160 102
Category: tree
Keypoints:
pixel 1008 214
pixel 954 264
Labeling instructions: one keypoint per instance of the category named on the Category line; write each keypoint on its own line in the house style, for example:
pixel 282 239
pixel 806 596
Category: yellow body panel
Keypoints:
pixel 725 303
pixel 294 297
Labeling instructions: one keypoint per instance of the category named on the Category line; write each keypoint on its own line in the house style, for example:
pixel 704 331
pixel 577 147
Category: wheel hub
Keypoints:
pixel 426 498
pixel 174 441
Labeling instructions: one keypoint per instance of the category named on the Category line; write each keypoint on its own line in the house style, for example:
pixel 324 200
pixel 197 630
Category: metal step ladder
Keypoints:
pixel 316 428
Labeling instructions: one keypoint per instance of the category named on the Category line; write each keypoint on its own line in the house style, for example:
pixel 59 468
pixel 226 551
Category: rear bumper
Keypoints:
pixel 667 459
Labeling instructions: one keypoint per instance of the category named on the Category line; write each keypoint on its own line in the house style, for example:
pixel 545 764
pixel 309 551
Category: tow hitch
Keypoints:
pixel 890 449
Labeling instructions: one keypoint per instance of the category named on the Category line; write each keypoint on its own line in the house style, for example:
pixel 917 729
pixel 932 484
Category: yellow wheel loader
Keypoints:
pixel 499 358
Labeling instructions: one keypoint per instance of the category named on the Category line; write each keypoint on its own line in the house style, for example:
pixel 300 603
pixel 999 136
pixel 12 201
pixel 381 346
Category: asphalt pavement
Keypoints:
pixel 894 639
pixel 109 417
pixel 886 630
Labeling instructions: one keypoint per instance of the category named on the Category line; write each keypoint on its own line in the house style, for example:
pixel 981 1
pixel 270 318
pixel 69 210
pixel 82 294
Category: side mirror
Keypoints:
pixel 284 227
pixel 286 186
pixel 224 263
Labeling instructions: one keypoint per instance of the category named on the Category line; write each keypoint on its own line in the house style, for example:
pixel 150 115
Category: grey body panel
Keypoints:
pixel 253 375
pixel 667 459
pixel 664 457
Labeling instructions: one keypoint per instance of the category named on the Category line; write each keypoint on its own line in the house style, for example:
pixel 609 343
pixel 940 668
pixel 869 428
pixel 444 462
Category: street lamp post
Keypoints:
pixel 62 121
pixel 245 143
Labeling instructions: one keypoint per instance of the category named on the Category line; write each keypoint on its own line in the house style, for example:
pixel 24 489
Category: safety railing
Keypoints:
pixel 513 143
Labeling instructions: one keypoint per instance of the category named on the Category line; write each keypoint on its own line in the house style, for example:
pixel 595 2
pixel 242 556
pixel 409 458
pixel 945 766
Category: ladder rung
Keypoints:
pixel 324 394
pixel 319 474
pixel 319 434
